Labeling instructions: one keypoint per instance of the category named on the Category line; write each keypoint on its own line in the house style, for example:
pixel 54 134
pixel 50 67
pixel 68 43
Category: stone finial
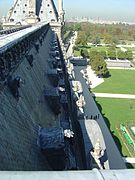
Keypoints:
pixel 61 11
pixel 97 148
pixel 97 153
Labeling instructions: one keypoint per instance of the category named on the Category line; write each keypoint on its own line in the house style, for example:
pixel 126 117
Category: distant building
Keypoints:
pixel 97 21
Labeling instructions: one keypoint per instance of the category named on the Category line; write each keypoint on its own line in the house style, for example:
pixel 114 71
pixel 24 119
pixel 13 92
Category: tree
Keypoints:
pixel 117 31
pixel 115 40
pixel 0 26
pixel 96 41
pixel 70 26
pixel 111 53
pixel 129 55
pixel 77 27
pixel 92 54
pixel 110 33
pixel 99 65
pixel 103 53
pixel 76 48
pixel 123 42
pixel 85 28
pixel 108 39
pixel 134 37
pixel 84 53
pixel 81 39
pixel 121 54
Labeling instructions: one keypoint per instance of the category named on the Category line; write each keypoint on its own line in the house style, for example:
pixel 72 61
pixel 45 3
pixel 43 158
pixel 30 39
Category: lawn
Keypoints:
pixel 99 48
pixel 96 48
pixel 120 82
pixel 77 53
pixel 130 48
pixel 92 48
pixel 117 111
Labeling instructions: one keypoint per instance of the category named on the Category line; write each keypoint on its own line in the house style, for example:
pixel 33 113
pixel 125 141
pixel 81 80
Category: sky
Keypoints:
pixel 121 10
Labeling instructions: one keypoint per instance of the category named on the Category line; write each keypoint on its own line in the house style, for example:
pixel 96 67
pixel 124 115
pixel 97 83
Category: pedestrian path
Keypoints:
pixel 95 80
pixel 129 160
pixel 109 95
pixel 125 68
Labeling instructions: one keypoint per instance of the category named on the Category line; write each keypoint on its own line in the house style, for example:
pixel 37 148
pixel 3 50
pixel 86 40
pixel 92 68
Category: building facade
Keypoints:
pixel 25 12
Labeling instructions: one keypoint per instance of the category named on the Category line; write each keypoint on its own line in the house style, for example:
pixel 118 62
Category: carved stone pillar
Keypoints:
pixel 32 18
pixel 61 11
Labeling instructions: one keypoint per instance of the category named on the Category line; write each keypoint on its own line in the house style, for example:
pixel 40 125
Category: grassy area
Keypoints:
pixel 130 48
pixel 95 48
pixel 120 82
pixel 77 53
pixel 117 111
pixel 99 48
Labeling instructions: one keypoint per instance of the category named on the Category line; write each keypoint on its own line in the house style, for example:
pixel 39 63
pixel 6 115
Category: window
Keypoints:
pixel 31 12
pixel 11 20
pixel 23 12
pixel 14 11
pixel 52 20
pixel 25 5
pixel 41 12
pixel 50 12
pixel 48 5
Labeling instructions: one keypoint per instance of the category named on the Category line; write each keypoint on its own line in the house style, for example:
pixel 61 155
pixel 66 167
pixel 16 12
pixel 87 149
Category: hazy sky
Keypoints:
pixel 123 10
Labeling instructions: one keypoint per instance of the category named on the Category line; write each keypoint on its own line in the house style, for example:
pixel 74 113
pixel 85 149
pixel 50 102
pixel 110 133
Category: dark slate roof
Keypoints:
pixel 51 91
pixel 51 138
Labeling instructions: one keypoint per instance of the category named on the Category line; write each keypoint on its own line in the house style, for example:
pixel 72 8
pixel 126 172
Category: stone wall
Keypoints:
pixel 20 120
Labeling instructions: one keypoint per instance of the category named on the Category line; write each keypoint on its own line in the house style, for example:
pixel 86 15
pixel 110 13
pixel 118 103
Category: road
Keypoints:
pixel 115 159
